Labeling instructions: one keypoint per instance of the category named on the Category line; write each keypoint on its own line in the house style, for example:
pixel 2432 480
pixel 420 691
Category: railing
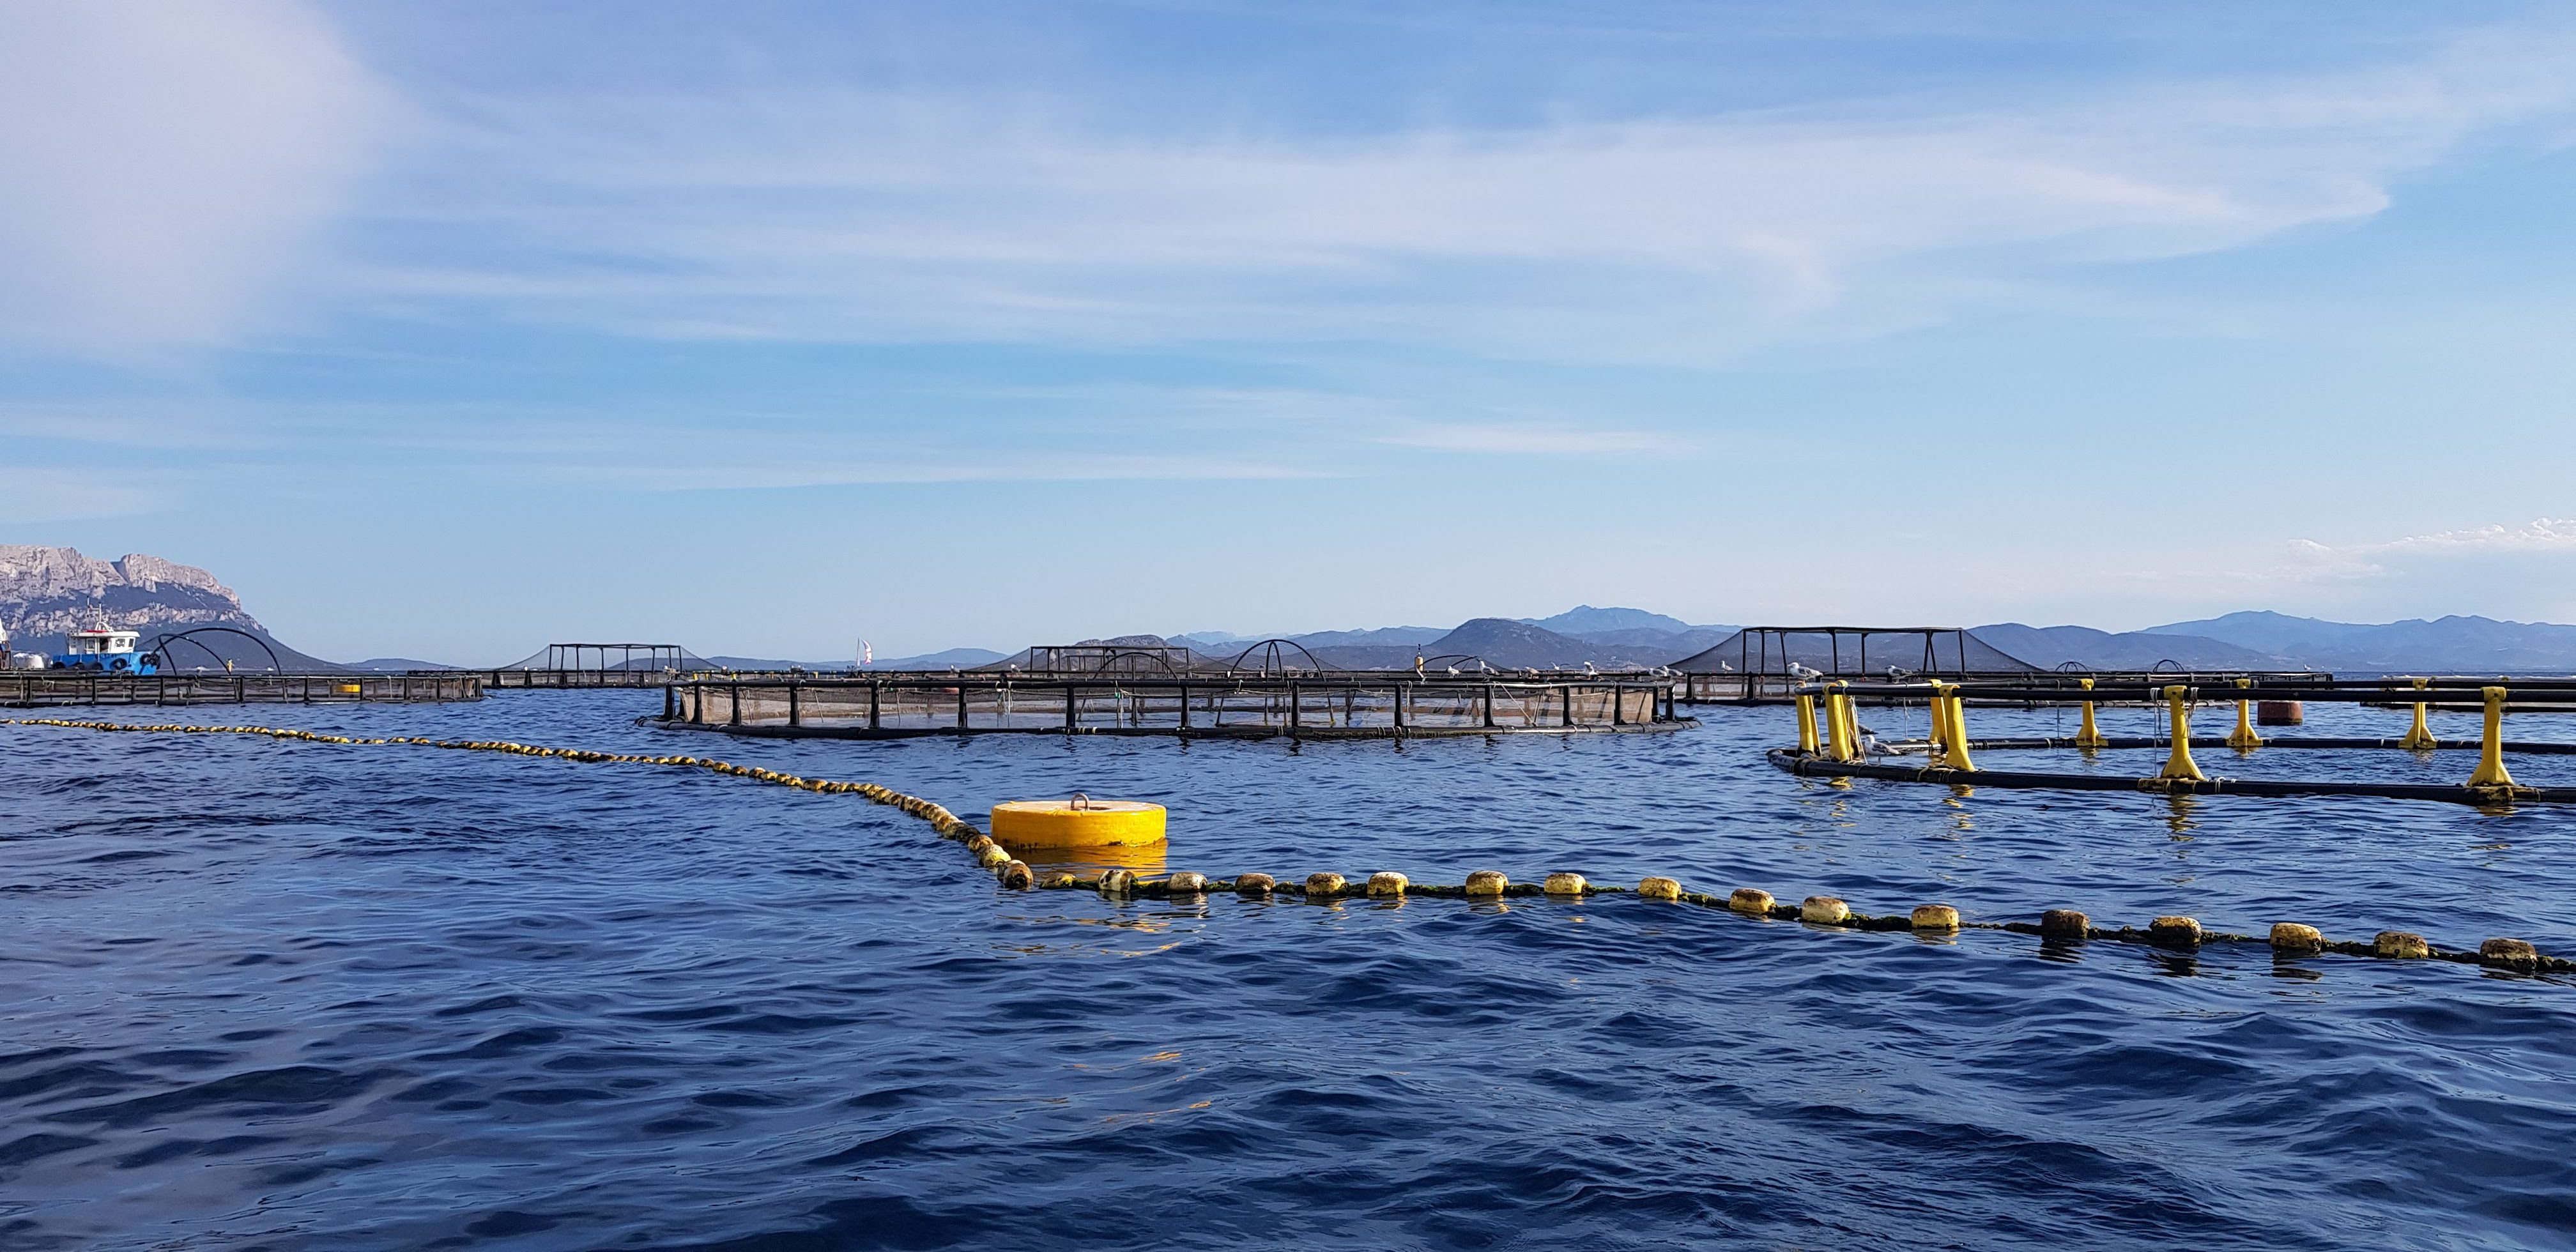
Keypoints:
pixel 53 688
pixel 1345 705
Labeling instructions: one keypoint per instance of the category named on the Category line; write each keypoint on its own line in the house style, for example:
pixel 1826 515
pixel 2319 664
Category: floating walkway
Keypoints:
pixel 31 689
pixel 1762 665
pixel 2175 933
pixel 1830 744
pixel 1329 705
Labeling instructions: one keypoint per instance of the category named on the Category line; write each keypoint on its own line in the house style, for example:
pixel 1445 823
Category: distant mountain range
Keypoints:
pixel 47 592
pixel 2264 640
pixel 2049 647
pixel 1606 638
pixel 2458 645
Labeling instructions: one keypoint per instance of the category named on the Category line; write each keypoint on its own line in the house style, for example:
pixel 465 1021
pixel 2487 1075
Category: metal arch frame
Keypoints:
pixel 162 642
pixel 1147 653
pixel 669 657
pixel 1270 657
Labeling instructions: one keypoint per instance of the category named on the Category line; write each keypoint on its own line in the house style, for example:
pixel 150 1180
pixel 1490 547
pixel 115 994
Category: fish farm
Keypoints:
pixel 1307 705
pixel 59 688
pixel 1767 665
pixel 1832 744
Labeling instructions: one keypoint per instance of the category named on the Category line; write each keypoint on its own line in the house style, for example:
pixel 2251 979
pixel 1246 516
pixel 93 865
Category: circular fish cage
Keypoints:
pixel 1832 744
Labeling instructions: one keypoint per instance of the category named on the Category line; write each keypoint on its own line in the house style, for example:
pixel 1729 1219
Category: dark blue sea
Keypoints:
pixel 262 994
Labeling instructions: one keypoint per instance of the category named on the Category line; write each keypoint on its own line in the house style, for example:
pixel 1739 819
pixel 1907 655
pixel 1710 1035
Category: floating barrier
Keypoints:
pixel 2055 925
pixel 1945 757
pixel 948 824
pixel 2063 926
pixel 28 689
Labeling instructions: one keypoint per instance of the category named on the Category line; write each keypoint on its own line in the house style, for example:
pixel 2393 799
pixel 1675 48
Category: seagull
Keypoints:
pixel 1802 672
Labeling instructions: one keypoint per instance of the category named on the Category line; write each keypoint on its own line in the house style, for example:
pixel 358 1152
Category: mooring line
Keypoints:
pixel 2172 933
pixel 948 824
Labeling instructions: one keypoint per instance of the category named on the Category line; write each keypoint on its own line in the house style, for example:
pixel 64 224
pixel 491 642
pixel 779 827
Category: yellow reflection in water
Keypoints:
pixel 2178 816
pixel 1144 859
pixel 1956 803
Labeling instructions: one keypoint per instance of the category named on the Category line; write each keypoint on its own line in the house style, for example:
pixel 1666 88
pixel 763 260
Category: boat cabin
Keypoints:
pixel 102 648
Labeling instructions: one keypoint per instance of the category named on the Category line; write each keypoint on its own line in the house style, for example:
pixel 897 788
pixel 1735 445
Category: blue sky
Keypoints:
pixel 448 329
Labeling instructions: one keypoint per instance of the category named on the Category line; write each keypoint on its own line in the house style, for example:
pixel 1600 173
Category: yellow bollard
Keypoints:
pixel 2421 738
pixel 1839 723
pixel 2243 738
pixel 1807 724
pixel 1947 714
pixel 2090 736
pixel 2179 767
pixel 2491 771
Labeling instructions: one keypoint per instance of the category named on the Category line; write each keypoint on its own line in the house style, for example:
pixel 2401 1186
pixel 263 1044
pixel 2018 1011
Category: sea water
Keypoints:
pixel 263 994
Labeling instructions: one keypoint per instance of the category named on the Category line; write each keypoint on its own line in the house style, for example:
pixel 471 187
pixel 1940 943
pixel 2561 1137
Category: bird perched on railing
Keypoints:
pixel 1802 673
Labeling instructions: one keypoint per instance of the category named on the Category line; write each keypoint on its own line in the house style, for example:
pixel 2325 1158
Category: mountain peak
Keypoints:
pixel 1584 619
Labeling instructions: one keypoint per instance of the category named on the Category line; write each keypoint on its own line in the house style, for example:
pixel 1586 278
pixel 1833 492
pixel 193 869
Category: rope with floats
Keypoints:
pixel 2173 933
pixel 948 824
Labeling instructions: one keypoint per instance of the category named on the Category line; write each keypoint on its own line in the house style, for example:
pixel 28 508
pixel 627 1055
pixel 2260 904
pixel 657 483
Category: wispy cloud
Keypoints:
pixel 167 165
pixel 70 494
pixel 2553 537
pixel 1530 440
pixel 834 213
pixel 727 474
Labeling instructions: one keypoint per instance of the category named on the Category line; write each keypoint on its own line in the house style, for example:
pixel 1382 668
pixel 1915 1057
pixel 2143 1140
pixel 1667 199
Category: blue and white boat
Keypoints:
pixel 105 649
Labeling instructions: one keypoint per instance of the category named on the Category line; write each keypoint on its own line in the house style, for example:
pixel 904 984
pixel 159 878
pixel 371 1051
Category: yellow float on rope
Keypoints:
pixel 1080 822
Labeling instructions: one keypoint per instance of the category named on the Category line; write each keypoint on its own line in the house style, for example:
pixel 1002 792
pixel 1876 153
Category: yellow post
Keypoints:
pixel 1839 724
pixel 1807 724
pixel 1938 735
pixel 2179 767
pixel 2243 738
pixel 2090 737
pixel 2421 738
pixel 1946 714
pixel 2491 772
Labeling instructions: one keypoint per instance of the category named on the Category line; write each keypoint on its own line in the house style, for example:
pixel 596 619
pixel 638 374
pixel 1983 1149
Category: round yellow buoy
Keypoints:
pixel 1080 822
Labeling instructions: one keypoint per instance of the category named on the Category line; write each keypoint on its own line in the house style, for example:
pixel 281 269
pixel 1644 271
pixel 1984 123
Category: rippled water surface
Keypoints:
pixel 263 994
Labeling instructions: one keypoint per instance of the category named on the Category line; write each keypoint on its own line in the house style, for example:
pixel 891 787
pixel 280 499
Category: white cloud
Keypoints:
pixel 703 474
pixel 838 213
pixel 163 165
pixel 2525 572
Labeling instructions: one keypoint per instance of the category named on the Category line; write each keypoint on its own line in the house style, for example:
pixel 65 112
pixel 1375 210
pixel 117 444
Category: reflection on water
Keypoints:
pixel 1144 859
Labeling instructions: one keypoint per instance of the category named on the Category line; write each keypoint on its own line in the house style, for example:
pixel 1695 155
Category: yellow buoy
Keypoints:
pixel 1080 822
